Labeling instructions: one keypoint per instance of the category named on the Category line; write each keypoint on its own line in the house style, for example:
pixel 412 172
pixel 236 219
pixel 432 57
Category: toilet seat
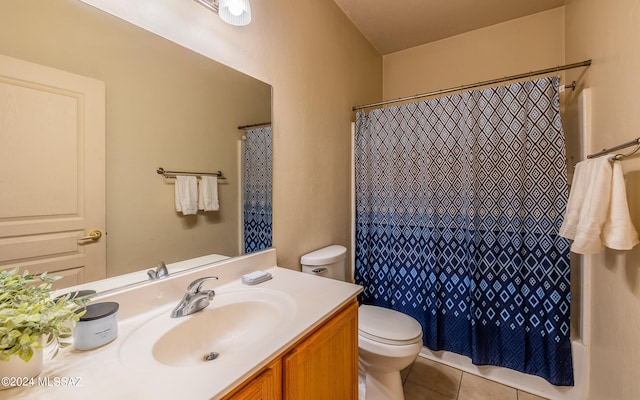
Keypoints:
pixel 387 326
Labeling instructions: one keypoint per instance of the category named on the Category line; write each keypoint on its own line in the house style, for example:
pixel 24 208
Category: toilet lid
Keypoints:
pixel 387 326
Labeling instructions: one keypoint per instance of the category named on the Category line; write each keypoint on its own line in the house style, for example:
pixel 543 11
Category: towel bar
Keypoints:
pixel 172 174
pixel 634 142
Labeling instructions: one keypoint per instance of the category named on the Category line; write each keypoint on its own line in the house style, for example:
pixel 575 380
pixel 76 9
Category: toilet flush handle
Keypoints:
pixel 319 270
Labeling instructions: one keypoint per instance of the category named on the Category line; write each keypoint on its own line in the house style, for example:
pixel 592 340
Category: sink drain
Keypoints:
pixel 211 356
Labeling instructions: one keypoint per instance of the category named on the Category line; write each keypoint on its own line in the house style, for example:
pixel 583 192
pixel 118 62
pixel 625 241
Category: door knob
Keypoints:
pixel 93 235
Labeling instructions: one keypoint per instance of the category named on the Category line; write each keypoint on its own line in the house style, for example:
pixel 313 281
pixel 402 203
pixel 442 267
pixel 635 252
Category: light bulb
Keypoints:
pixel 235 12
pixel 236 8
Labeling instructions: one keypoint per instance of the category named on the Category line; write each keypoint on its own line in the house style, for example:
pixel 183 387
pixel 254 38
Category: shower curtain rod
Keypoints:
pixel 254 125
pixel 475 85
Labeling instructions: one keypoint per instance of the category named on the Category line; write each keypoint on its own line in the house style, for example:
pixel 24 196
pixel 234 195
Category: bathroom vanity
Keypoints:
pixel 291 337
pixel 322 365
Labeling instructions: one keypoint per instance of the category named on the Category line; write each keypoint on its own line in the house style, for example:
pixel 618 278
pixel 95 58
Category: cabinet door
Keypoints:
pixel 265 386
pixel 325 365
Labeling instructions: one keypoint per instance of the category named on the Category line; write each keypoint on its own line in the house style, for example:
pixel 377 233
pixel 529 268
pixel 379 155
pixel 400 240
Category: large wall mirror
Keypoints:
pixel 166 106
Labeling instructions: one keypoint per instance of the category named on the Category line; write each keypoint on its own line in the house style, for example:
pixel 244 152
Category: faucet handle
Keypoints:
pixel 161 270
pixel 159 273
pixel 194 287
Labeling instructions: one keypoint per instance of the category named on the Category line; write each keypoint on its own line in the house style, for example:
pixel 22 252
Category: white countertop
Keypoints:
pixel 102 374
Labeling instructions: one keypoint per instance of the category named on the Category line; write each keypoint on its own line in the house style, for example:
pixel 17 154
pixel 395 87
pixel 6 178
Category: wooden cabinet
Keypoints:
pixel 322 365
pixel 267 385
pixel 325 365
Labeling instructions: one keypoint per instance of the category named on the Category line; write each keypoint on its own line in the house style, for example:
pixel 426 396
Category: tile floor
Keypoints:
pixel 429 380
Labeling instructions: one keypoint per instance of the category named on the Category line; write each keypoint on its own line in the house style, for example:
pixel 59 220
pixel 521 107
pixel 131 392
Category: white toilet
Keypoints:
pixel 388 341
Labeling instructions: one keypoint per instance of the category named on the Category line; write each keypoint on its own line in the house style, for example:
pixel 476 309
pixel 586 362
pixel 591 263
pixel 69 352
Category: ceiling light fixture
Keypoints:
pixel 234 12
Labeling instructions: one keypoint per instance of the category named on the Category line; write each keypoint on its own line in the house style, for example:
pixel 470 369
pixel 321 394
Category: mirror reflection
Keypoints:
pixel 168 107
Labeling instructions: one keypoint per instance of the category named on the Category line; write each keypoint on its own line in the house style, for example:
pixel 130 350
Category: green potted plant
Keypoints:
pixel 29 317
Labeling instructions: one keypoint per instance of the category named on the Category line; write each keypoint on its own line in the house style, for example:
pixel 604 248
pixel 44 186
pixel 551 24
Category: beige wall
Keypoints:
pixel 166 107
pixel 319 66
pixel 509 48
pixel 609 33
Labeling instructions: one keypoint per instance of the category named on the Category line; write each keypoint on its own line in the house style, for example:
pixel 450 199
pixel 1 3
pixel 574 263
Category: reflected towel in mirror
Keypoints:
pixel 208 194
pixel 186 189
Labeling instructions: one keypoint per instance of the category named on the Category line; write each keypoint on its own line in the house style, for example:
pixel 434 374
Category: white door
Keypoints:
pixel 52 172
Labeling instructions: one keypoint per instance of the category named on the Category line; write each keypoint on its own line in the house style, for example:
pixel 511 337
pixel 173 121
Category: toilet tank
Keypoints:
pixel 328 262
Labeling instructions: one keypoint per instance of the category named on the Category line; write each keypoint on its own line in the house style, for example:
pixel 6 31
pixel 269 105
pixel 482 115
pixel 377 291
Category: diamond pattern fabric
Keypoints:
pixel 458 204
pixel 257 173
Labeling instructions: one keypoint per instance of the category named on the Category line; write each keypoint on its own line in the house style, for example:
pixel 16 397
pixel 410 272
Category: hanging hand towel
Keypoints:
pixel 576 198
pixel 208 194
pixel 588 213
pixel 186 189
pixel 618 232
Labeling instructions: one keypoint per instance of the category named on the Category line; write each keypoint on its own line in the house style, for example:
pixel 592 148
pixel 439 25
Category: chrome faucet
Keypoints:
pixel 195 299
pixel 159 273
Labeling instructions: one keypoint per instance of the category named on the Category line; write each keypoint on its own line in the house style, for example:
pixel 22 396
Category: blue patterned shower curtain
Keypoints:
pixel 458 204
pixel 257 173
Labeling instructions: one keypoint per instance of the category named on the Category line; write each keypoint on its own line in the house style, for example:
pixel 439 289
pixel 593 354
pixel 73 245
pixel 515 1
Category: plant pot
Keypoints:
pixel 20 372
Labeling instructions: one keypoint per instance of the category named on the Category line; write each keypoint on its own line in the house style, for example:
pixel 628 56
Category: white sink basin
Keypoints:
pixel 231 326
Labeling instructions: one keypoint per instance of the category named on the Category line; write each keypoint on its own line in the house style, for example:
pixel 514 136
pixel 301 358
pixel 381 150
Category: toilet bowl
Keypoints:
pixel 388 340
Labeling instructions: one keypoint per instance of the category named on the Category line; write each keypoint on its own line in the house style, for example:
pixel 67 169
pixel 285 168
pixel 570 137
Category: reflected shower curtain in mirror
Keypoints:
pixel 458 204
pixel 256 178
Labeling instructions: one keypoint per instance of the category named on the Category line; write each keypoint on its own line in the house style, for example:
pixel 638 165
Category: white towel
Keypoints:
pixel 186 189
pixel 597 212
pixel 208 194
pixel 618 232
pixel 576 198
